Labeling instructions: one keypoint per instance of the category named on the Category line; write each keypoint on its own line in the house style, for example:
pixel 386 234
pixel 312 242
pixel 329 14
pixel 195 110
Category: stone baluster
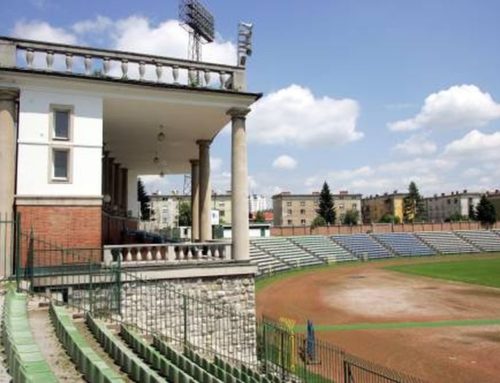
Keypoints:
pixel 189 253
pixel 49 58
pixel 128 256
pixel 216 252
pixel 192 76
pixel 87 62
pixel 142 70
pixel 149 254
pixel 158 254
pixel 105 66
pixel 175 74
pixel 69 62
pixel 207 77
pixel 124 67
pixel 222 78
pixel 30 55
pixel 199 252
pixel 159 72
pixel 170 256
pixel 138 254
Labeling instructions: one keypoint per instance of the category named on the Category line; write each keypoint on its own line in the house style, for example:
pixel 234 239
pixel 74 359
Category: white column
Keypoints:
pixel 7 171
pixel 132 202
pixel 195 200
pixel 205 191
pixel 7 150
pixel 239 185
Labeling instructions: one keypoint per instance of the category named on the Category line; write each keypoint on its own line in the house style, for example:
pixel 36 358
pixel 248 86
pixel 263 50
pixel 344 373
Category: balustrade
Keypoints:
pixel 162 253
pixel 126 66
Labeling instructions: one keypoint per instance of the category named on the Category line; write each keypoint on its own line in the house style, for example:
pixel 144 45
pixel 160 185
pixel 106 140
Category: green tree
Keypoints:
pixel 143 200
pixel 326 209
pixel 485 212
pixel 413 205
pixel 456 217
pixel 318 221
pixel 351 217
pixel 259 217
pixel 389 218
pixel 472 212
pixel 185 214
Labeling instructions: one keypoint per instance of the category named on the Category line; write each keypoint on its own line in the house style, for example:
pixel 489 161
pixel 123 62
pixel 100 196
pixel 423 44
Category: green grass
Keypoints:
pixel 485 272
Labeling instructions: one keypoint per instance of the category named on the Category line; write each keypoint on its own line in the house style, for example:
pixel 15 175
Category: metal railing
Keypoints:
pixel 118 65
pixel 292 356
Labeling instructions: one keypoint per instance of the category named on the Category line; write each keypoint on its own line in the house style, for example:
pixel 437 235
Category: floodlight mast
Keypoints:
pixel 199 23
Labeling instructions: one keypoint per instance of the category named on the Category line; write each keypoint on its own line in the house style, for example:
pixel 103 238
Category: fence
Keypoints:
pixel 293 356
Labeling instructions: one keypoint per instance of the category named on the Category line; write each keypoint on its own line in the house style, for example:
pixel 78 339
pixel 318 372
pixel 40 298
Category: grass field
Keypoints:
pixel 484 272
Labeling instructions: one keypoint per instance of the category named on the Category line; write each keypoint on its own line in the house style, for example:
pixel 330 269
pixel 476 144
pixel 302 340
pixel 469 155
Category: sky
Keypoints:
pixel 366 95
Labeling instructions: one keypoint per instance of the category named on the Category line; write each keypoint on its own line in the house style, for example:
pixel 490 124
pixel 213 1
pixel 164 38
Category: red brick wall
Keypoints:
pixel 66 226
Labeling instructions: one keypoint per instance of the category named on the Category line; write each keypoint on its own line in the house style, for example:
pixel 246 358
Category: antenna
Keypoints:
pixel 199 22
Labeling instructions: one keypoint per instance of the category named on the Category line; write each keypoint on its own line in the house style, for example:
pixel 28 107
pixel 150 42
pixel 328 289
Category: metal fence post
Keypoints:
pixel 184 307
pixel 17 253
pixel 90 289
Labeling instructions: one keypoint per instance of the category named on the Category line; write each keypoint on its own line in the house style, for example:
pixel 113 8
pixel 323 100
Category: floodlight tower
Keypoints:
pixel 199 22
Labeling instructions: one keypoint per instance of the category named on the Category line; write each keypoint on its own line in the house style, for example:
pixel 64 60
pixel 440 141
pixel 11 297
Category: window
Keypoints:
pixel 302 203
pixel 302 211
pixel 61 123
pixel 289 221
pixel 302 221
pixel 289 211
pixel 341 206
pixel 60 164
pixel 222 213
pixel 354 206
pixel 288 204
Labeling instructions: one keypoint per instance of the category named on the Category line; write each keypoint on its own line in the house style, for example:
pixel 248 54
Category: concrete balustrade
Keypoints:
pixel 80 61
pixel 167 253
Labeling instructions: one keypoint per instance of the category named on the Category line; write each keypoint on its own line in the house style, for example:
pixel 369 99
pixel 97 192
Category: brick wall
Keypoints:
pixel 66 226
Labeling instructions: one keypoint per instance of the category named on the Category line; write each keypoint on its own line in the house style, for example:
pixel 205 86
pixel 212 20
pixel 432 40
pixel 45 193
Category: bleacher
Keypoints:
pixel 404 244
pixel 446 242
pixel 286 251
pixel 484 240
pixel 361 244
pixel 323 248
pixel 266 263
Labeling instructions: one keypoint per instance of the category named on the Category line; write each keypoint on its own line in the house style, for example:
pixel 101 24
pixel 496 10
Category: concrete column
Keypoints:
pixel 132 201
pixel 205 191
pixel 195 200
pixel 8 138
pixel 239 185
pixel 124 191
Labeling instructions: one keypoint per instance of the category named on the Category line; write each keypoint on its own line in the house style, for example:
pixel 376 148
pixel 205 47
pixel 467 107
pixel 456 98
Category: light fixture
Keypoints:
pixel 162 174
pixel 156 160
pixel 161 135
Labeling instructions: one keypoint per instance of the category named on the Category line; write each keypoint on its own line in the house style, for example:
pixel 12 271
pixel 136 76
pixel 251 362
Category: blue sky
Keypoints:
pixel 365 94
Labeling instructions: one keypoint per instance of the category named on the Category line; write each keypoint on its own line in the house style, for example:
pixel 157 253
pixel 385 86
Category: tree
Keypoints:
pixel 351 217
pixel 389 218
pixel 326 209
pixel 259 217
pixel 413 205
pixel 485 212
pixel 472 212
pixel 143 200
pixel 185 214
pixel 318 221
pixel 456 217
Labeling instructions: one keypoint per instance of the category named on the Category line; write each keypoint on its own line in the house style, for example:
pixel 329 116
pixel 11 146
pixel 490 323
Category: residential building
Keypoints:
pixel 494 197
pixel 301 209
pixel 441 207
pixel 375 207
pixel 256 202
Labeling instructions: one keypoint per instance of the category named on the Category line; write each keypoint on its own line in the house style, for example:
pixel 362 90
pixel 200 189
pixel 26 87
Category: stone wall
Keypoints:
pixel 217 315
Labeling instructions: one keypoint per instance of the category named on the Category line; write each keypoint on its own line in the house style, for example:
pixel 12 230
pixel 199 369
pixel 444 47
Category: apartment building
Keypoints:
pixel 442 207
pixel 300 209
pixel 376 206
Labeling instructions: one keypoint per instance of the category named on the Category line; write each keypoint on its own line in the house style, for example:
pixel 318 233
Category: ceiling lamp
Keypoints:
pixel 156 160
pixel 161 135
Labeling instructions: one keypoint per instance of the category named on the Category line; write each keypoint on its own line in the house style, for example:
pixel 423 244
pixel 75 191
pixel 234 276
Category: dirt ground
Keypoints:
pixel 359 294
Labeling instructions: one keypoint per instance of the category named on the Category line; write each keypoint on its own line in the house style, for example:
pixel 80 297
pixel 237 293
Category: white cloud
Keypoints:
pixel 459 107
pixel 294 115
pixel 285 162
pixel 41 30
pixel 215 163
pixel 97 25
pixel 416 145
pixel 475 145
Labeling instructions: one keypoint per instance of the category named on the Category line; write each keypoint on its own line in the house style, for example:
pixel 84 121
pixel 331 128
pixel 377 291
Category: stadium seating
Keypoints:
pixel 265 262
pixel 323 248
pixel 88 362
pixel 23 356
pixel 404 244
pixel 130 363
pixel 446 242
pixel 484 240
pixel 286 251
pixel 361 244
